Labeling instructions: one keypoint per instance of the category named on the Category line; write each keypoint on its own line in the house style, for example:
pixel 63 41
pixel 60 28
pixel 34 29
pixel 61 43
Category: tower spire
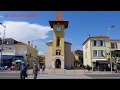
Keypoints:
pixel 59 16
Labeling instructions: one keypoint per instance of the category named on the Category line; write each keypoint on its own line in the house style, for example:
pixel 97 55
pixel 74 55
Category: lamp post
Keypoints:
pixel 112 26
pixel 2 41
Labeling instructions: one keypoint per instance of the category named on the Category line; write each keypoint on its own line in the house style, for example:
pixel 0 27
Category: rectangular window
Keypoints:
pixel 94 43
pixel 98 53
pixel 102 53
pixel 98 43
pixel 95 53
pixel 101 42
pixel 114 45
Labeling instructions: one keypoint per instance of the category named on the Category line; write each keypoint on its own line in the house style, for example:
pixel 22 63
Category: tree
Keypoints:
pixel 80 53
pixel 115 54
pixel 41 59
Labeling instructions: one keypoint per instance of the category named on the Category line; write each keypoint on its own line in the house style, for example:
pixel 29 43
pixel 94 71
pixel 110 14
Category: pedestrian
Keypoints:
pixel 43 68
pixel 23 70
pixel 35 71
pixel 38 68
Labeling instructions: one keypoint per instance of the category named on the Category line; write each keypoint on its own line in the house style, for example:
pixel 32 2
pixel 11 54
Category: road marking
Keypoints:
pixel 106 77
pixel 9 76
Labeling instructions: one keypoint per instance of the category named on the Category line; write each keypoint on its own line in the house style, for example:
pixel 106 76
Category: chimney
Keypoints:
pixel 28 42
pixel 32 44
pixel 35 47
pixel 88 35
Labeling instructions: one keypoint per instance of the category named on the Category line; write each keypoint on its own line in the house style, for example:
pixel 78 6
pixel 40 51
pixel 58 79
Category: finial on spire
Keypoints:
pixel 59 16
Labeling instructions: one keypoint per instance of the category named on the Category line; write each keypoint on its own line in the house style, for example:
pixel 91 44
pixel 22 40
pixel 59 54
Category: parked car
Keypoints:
pixel 2 68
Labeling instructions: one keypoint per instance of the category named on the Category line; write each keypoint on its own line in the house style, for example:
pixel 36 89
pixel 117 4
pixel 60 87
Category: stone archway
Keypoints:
pixel 57 63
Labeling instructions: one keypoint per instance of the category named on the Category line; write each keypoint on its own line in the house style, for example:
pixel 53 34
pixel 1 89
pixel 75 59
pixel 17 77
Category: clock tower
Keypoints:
pixel 58 44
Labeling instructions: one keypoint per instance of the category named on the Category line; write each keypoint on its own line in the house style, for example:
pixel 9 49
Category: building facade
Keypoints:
pixel 115 47
pixel 14 50
pixel 58 52
pixel 96 50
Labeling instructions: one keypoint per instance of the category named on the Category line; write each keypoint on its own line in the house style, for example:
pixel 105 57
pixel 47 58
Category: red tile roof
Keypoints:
pixel 59 20
pixel 100 36
pixel 115 39
pixel 59 16
pixel 20 43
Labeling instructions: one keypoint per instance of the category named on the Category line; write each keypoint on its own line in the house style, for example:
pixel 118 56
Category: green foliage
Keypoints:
pixel 118 65
pixel 80 53
pixel 115 53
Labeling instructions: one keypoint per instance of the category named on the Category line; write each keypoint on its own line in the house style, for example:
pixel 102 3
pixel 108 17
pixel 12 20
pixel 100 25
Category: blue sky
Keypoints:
pixel 37 28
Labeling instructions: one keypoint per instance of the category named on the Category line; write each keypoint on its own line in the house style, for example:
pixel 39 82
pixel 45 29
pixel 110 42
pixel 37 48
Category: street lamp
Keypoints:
pixel 2 41
pixel 112 26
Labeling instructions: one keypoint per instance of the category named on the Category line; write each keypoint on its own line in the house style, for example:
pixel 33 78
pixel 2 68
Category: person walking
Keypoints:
pixel 35 71
pixel 23 70
pixel 43 68
pixel 38 69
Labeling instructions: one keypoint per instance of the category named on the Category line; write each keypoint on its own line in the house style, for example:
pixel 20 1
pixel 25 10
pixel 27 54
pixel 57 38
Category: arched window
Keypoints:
pixel 58 41
pixel 58 52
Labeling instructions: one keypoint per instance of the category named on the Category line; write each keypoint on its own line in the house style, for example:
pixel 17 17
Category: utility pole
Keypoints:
pixel 2 43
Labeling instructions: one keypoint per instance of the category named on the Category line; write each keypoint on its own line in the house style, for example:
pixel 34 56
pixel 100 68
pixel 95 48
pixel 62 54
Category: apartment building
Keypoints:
pixel 115 47
pixel 96 50
pixel 14 50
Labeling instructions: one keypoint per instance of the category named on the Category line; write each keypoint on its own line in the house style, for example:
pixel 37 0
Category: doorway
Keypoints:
pixel 57 63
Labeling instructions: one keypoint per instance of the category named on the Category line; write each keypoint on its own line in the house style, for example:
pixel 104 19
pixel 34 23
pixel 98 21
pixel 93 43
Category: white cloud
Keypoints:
pixel 24 31
pixel 50 40
pixel 41 53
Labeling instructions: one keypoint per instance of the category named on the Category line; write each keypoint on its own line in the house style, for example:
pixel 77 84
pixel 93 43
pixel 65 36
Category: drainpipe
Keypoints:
pixel 91 55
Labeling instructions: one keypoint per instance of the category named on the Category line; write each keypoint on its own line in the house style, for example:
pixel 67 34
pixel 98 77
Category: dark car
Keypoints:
pixel 2 68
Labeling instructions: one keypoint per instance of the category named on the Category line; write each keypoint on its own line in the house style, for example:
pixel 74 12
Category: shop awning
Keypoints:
pixel 7 57
pixel 103 61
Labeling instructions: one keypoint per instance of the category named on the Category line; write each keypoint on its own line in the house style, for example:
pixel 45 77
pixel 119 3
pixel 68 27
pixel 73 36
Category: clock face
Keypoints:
pixel 58 28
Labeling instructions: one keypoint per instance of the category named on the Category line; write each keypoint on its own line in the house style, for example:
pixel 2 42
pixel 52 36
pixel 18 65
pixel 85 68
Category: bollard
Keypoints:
pixel 98 71
pixel 54 71
pixel 105 71
pixel 84 71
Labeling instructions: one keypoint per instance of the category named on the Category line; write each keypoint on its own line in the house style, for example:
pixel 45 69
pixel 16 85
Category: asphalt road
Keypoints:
pixel 104 76
pixel 9 76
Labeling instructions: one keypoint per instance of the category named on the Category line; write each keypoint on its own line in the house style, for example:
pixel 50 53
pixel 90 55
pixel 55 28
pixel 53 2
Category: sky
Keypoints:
pixel 34 26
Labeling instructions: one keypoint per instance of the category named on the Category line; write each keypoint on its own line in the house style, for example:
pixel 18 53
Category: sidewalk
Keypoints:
pixel 63 71
pixel 76 72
